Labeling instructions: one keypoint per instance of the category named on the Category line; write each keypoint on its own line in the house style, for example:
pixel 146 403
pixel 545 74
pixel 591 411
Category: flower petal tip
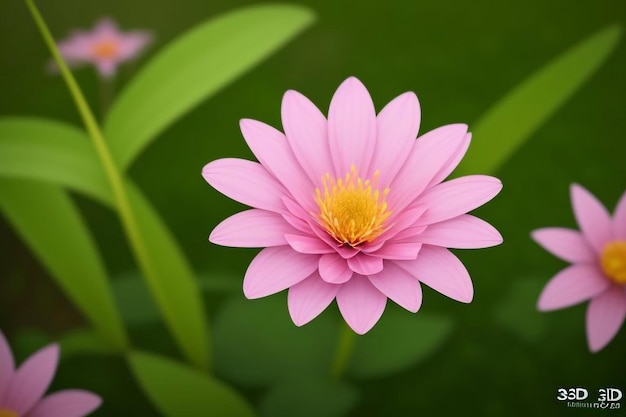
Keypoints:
pixel 52 352
pixel 352 85
pixel 249 293
pixel 545 303
pixel 467 298
pixel 244 124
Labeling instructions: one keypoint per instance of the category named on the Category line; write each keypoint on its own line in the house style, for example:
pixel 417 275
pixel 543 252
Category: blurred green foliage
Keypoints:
pixel 459 57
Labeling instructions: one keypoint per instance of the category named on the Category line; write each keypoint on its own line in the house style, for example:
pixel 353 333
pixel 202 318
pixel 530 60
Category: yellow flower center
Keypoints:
pixel 8 413
pixel 352 211
pixel 614 261
pixel 104 50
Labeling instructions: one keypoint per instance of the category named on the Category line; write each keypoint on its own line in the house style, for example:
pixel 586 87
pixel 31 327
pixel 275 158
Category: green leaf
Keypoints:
pixel 54 152
pixel 518 115
pixel 517 310
pixel 137 306
pixel 397 342
pixel 179 391
pixel 50 224
pixel 69 160
pixel 256 343
pixel 84 341
pixel 309 398
pixel 192 68
pixel 133 298
pixel 172 282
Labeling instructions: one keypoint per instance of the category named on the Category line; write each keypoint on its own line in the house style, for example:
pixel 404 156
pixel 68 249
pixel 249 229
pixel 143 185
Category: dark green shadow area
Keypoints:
pixel 502 357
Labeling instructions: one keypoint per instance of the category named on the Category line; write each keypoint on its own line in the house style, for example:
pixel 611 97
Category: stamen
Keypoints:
pixel 352 210
pixel 614 261
pixel 105 49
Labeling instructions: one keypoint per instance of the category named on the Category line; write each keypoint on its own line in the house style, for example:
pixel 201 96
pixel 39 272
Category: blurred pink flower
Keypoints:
pixel 351 208
pixel 598 270
pixel 105 47
pixel 21 390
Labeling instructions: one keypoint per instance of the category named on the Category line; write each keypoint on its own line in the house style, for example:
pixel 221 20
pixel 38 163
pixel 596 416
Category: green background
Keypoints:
pixel 503 358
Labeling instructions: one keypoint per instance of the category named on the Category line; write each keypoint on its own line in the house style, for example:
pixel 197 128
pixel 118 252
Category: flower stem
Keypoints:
pixel 107 87
pixel 116 181
pixel 344 349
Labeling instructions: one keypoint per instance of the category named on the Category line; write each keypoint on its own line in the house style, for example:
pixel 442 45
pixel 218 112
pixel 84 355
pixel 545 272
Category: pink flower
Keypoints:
pixel 105 47
pixel 21 390
pixel 598 270
pixel 351 208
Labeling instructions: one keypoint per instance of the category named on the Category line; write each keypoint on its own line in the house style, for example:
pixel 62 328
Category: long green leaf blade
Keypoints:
pixel 172 283
pixel 519 114
pixel 192 68
pixel 71 161
pixel 180 391
pixel 53 152
pixel 51 225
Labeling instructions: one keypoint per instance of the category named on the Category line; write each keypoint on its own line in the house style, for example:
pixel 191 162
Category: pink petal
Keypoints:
pixel 31 380
pixel 351 127
pixel 296 209
pixel 272 150
pixel 398 251
pixel 275 269
pixel 455 197
pixel 246 182
pixel 308 298
pixel 400 286
pixel 365 265
pixel 371 247
pixel 345 251
pixel 619 219
pixel 569 245
pixel 462 232
pixel 592 217
pixel 67 403
pixel 106 67
pixel 401 223
pixel 397 125
pixel 308 244
pixel 334 269
pixel 7 364
pixel 571 286
pixel 132 43
pixel 453 162
pixel 429 154
pixel 360 304
pixel 442 271
pixel 105 27
pixel 79 48
pixel 296 222
pixel 306 130
pixel 410 234
pixel 605 315
pixel 252 229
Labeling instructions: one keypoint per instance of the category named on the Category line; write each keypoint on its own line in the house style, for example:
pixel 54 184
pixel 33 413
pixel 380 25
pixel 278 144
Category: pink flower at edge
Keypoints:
pixel 22 389
pixel 352 208
pixel 598 270
pixel 105 47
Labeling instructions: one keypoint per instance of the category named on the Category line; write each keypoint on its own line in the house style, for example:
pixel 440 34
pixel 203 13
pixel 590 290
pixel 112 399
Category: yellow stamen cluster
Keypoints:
pixel 105 49
pixel 352 211
pixel 7 413
pixel 614 261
